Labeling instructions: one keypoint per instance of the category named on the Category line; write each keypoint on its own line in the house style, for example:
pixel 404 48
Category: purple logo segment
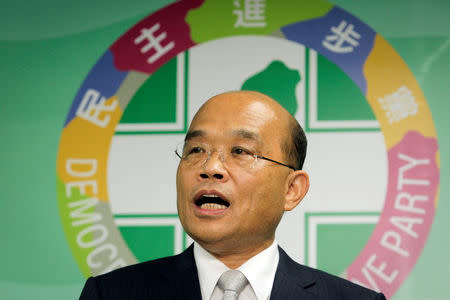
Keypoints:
pixel 102 82
pixel 408 212
pixel 340 37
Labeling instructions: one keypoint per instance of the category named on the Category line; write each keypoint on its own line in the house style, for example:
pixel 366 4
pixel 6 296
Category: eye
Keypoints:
pixel 195 150
pixel 192 150
pixel 240 151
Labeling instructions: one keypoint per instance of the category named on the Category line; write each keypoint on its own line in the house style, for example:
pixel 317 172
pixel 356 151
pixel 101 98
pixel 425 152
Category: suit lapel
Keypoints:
pixel 187 285
pixel 292 281
pixel 184 277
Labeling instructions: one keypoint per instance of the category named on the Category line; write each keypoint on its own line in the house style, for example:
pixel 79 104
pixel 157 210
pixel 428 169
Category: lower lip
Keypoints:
pixel 209 212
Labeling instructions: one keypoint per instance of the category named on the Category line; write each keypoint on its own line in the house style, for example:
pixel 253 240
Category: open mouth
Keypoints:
pixel 211 202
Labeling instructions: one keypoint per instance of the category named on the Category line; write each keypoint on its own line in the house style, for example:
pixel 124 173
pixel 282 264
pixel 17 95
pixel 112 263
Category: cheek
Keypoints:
pixel 182 191
pixel 182 181
pixel 265 194
pixel 271 193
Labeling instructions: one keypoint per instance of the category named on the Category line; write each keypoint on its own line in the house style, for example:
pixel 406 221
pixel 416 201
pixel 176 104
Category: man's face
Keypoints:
pixel 251 199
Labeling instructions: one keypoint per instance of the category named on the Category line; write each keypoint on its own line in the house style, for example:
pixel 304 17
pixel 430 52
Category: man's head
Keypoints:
pixel 230 200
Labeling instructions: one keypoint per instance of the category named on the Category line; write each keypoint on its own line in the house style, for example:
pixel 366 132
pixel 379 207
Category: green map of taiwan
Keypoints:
pixel 278 82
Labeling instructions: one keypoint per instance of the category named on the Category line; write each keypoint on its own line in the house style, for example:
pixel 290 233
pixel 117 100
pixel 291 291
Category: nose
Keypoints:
pixel 213 167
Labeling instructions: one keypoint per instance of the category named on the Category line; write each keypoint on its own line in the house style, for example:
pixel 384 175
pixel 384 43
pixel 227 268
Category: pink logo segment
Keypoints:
pixel 155 40
pixel 408 212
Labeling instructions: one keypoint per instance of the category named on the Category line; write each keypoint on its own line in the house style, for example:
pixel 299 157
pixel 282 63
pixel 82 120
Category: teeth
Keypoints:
pixel 213 206
pixel 213 196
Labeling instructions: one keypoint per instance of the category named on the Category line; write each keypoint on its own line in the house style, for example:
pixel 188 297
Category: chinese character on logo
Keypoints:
pixel 153 42
pixel 343 39
pixel 399 105
pixel 92 106
pixel 251 14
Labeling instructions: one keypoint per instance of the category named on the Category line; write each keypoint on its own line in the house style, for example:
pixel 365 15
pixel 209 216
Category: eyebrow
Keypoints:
pixel 194 133
pixel 242 133
pixel 246 135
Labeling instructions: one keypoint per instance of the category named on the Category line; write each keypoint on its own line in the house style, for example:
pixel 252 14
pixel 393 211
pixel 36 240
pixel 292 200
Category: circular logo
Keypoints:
pixel 372 158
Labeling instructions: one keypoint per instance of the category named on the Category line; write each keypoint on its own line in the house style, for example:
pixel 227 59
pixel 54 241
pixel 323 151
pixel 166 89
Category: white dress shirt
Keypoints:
pixel 259 270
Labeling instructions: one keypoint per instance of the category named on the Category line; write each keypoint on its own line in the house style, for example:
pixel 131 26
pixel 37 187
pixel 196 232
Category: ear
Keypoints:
pixel 297 185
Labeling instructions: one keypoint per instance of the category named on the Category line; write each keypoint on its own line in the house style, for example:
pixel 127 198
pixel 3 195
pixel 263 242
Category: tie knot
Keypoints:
pixel 232 280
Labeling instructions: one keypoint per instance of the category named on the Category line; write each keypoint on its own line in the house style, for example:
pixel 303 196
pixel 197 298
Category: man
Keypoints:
pixel 240 170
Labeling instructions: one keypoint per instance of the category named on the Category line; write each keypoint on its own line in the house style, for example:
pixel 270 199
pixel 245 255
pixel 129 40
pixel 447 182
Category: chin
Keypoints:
pixel 208 237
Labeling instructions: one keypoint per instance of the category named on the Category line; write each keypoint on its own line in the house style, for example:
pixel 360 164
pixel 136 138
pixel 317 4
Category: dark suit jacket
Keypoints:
pixel 175 277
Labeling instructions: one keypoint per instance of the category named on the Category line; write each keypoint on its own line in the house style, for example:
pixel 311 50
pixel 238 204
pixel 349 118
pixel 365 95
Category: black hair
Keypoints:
pixel 295 146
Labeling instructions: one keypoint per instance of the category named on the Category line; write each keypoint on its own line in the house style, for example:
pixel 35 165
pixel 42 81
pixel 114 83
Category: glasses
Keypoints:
pixel 196 154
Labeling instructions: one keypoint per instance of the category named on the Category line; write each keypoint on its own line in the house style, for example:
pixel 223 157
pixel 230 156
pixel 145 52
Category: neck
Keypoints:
pixel 235 258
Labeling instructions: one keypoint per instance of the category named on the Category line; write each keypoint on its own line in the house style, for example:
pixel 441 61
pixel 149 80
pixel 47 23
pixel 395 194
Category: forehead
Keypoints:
pixel 241 134
pixel 237 115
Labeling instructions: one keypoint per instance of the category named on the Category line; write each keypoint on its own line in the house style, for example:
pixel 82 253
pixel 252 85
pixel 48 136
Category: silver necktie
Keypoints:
pixel 232 282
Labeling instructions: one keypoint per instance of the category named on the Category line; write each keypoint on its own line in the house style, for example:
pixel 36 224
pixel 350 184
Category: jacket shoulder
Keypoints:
pixel 340 288
pixel 157 267
pixel 155 279
pixel 323 284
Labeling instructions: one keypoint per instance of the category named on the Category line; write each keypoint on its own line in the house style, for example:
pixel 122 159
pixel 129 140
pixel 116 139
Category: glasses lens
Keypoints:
pixel 192 153
pixel 241 157
pixel 233 156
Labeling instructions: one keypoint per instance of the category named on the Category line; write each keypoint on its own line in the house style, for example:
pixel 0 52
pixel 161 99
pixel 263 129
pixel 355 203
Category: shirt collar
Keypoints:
pixel 259 270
